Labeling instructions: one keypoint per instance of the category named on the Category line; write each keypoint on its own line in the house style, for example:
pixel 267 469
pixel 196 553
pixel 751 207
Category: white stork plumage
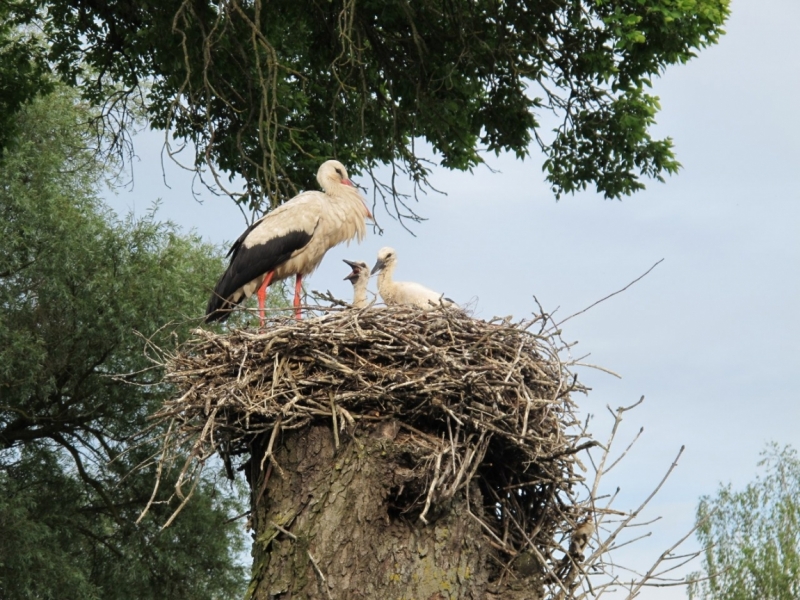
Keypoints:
pixel 359 278
pixel 404 292
pixel 291 240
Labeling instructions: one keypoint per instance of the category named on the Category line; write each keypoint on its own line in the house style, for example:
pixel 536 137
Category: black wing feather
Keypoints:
pixel 249 263
pixel 237 244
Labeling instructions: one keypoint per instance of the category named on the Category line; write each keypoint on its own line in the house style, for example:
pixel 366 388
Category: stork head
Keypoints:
pixel 333 174
pixel 360 269
pixel 386 258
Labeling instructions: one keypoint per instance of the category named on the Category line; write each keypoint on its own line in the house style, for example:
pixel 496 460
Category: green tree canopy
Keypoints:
pixel 752 537
pixel 76 285
pixel 24 71
pixel 267 90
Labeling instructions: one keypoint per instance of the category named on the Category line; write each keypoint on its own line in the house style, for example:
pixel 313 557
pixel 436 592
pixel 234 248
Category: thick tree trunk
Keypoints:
pixel 326 527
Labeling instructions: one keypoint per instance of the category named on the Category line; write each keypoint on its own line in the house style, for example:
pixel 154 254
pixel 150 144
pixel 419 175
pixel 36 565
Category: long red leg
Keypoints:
pixel 262 295
pixel 297 288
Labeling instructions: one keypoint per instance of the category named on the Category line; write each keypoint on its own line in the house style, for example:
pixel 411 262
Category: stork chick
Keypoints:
pixel 403 292
pixel 290 240
pixel 359 278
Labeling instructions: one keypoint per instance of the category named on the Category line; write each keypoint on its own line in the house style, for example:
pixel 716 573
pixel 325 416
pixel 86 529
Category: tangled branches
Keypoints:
pixel 474 400
pixel 471 406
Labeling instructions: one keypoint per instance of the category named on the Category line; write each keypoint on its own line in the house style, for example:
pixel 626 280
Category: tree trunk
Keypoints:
pixel 327 526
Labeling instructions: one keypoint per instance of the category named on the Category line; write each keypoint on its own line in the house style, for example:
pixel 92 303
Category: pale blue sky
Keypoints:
pixel 711 337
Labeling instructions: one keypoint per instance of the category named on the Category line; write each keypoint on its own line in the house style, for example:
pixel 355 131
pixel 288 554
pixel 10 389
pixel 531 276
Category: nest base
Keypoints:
pixel 438 417
pixel 335 514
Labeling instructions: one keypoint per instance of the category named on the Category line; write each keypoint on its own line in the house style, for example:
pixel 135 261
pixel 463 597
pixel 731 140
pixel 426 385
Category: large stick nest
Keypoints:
pixel 476 402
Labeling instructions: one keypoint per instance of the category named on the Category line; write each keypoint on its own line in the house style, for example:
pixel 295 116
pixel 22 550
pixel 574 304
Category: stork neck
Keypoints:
pixel 360 293
pixel 345 192
pixel 385 276
pixel 351 210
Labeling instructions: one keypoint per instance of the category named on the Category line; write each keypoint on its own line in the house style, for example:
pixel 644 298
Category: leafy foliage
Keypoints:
pixel 23 65
pixel 266 90
pixel 753 536
pixel 76 285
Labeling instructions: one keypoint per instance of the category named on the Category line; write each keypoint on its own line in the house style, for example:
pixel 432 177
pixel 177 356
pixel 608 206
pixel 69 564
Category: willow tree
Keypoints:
pixel 76 287
pixel 751 537
pixel 23 71
pixel 266 90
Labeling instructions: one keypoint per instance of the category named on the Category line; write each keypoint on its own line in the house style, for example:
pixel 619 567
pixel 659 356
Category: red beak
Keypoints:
pixel 348 182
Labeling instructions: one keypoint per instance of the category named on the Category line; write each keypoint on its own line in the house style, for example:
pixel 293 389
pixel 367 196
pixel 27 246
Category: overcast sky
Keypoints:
pixel 711 337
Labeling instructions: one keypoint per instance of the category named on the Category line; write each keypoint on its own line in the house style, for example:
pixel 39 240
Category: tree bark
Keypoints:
pixel 326 526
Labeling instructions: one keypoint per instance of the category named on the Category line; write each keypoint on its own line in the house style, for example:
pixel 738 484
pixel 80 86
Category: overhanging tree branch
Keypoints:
pixel 265 92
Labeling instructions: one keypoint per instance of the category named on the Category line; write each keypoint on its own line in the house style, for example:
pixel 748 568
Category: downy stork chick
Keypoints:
pixel 359 278
pixel 403 292
pixel 291 240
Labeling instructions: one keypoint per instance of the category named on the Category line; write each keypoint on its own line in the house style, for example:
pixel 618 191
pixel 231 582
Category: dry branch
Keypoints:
pixel 479 400
pixel 468 403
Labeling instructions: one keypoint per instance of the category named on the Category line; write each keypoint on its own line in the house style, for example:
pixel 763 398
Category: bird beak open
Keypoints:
pixel 378 266
pixel 356 270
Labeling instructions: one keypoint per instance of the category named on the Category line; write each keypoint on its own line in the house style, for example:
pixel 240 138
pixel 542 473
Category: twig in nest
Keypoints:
pixel 321 575
pixel 487 406
pixel 335 423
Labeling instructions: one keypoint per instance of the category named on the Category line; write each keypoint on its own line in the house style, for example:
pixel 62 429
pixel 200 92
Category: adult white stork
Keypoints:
pixel 359 278
pixel 290 240
pixel 403 292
